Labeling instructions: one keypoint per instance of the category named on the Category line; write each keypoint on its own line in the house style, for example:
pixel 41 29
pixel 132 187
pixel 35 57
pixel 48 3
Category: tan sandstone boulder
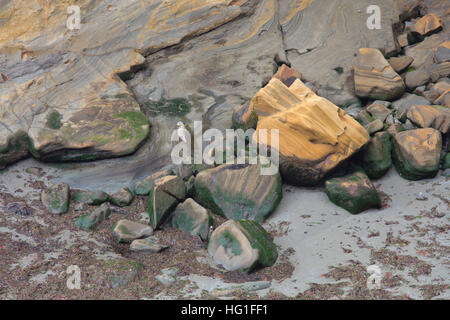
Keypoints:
pixel 430 117
pixel 314 134
pixel 374 76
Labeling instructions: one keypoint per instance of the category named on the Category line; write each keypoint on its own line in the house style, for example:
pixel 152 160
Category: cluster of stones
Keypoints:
pixel 176 198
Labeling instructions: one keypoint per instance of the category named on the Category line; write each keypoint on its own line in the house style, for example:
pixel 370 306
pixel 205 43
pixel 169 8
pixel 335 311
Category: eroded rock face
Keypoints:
pixel 314 135
pixel 238 191
pixel 417 153
pixel 374 76
pixel 242 245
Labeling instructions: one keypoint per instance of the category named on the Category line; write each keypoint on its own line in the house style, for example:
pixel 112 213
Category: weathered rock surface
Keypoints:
pixel 150 244
pixel 399 64
pixel 242 245
pixel 416 78
pixel 430 117
pixel 408 100
pixel 122 198
pixel 374 76
pixel 144 186
pixel 192 218
pixel 379 111
pixel 56 198
pixel 417 153
pixel 91 220
pixel 238 191
pixel 354 192
pixel 127 231
pixel 377 155
pixel 62 88
pixel 314 134
pixel 163 198
pixel 90 197
pixel 427 25
pixel 374 126
pixel 442 53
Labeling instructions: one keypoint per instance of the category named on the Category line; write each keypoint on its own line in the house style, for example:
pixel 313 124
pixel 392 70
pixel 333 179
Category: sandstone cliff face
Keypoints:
pixel 216 54
pixel 314 135
pixel 61 88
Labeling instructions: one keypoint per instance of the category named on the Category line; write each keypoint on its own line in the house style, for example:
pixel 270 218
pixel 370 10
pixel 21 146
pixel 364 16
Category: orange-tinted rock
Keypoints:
pixel 427 25
pixel 314 134
pixel 430 117
pixel 374 76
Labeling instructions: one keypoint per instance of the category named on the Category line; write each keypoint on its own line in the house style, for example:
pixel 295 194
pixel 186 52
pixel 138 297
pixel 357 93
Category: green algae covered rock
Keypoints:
pixel 91 220
pixel 417 153
pixel 446 162
pixel 122 198
pixel 90 197
pixel 354 192
pixel 377 155
pixel 56 198
pixel 192 218
pixel 242 245
pixel 238 191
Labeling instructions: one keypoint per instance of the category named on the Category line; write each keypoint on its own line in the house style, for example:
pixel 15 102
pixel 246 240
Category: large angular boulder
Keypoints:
pixel 354 192
pixel 315 136
pixel 430 117
pixel 242 245
pixel 417 153
pixel 164 197
pixel 56 198
pixel 374 76
pixel 144 186
pixel 238 191
pixel 192 218
pixel 376 159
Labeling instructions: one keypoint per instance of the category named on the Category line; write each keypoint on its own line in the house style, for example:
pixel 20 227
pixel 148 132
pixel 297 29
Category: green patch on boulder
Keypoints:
pixel 446 162
pixel 91 220
pixel 122 198
pixel 238 191
pixel 192 218
pixel 417 153
pixel 242 245
pixel 90 197
pixel 377 155
pixel 56 198
pixel 354 192
pixel 177 106
pixel 54 120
